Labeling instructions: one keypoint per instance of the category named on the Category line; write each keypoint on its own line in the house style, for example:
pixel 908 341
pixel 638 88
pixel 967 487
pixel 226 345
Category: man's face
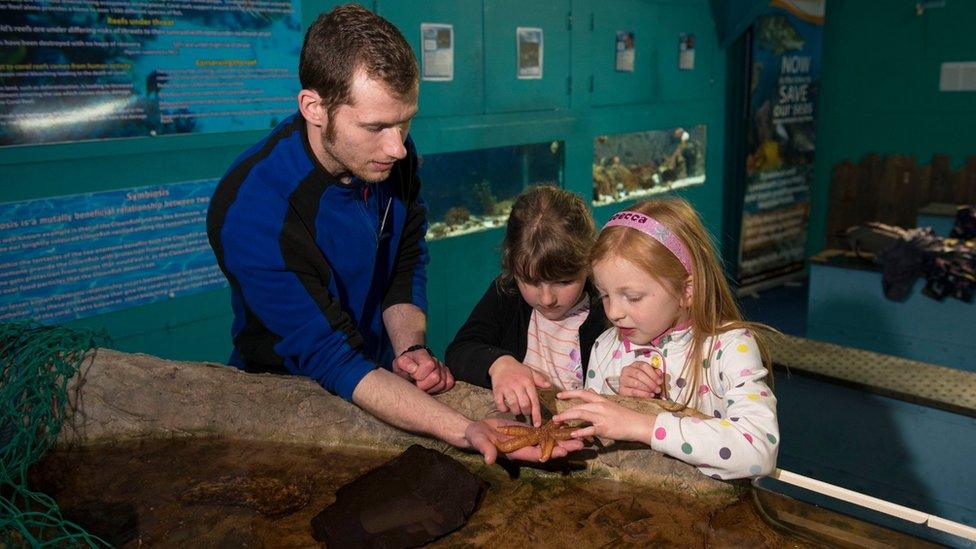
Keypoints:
pixel 368 133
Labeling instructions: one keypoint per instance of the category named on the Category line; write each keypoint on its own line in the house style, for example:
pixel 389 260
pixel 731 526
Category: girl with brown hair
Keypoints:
pixel 534 326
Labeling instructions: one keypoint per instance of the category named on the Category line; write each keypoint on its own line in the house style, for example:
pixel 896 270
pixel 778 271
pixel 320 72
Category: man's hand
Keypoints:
pixel 640 379
pixel 424 370
pixel 513 385
pixel 481 435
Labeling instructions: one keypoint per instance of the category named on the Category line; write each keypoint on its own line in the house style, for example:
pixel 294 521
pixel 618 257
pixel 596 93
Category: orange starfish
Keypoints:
pixel 525 435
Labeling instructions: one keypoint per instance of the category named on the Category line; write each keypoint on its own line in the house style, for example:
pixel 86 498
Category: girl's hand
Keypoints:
pixel 607 419
pixel 640 379
pixel 513 385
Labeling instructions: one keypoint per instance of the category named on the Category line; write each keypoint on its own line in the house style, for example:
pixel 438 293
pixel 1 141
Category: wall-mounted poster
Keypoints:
pixel 438 51
pixel 779 168
pixel 69 257
pixel 686 52
pixel 73 71
pixel 530 52
pixel 625 51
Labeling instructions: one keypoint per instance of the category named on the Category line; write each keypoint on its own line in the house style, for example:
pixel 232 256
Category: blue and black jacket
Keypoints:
pixel 312 262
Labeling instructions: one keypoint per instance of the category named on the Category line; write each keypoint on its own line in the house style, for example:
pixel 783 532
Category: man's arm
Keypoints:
pixel 406 325
pixel 397 402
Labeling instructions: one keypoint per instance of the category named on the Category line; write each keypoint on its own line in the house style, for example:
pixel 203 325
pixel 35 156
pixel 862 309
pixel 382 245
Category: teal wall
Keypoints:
pixel 880 89
pixel 486 106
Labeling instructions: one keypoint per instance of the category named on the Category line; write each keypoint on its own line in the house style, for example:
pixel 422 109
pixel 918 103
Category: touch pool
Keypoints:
pixel 175 453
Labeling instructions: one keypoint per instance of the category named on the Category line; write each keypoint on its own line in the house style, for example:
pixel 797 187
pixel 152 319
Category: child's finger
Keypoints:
pixel 635 378
pixel 639 370
pixel 570 445
pixel 511 400
pixel 586 396
pixel 540 380
pixel 584 432
pixel 536 418
pixel 635 388
pixel 629 392
pixel 524 402
pixel 580 412
pixel 500 401
pixel 655 374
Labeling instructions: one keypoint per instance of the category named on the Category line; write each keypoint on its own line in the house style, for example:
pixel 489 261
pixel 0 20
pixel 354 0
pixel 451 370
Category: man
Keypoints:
pixel 319 229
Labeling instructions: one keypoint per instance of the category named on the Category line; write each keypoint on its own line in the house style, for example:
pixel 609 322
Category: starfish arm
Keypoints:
pixel 516 443
pixel 547 446
pixel 515 430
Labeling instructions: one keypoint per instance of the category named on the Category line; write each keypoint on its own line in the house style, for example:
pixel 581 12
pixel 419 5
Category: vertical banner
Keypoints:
pixel 786 51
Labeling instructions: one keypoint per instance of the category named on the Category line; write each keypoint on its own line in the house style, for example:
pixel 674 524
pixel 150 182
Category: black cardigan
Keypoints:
pixel 499 326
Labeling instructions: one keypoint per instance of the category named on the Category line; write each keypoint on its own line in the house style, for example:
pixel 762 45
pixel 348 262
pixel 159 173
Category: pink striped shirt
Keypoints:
pixel 554 346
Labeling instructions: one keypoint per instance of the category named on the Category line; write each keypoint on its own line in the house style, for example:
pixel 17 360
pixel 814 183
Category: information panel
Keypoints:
pixel 72 70
pixel 70 257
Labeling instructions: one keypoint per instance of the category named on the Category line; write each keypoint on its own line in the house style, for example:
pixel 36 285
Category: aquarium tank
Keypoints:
pixel 635 165
pixel 470 191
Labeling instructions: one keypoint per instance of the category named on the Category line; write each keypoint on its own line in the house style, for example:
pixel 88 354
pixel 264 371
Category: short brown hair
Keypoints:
pixel 549 235
pixel 346 39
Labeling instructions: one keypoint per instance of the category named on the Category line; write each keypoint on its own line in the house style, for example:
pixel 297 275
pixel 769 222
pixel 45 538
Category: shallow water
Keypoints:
pixel 207 492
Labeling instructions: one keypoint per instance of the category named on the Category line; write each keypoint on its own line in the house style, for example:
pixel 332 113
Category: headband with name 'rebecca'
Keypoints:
pixel 654 229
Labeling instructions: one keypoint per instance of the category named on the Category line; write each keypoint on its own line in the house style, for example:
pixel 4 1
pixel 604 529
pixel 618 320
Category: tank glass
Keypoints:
pixel 473 190
pixel 635 165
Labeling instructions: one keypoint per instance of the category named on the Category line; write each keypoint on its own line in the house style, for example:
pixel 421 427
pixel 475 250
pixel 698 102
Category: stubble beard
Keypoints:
pixel 345 170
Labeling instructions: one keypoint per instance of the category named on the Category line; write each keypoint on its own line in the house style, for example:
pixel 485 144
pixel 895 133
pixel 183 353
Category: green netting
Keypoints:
pixel 36 364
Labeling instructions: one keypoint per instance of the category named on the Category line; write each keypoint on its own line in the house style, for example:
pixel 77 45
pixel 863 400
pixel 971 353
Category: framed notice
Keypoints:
pixel 438 51
pixel 686 52
pixel 530 52
pixel 625 51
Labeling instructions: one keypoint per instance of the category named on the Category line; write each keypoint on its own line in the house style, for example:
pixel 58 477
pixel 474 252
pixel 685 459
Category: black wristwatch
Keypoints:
pixel 418 347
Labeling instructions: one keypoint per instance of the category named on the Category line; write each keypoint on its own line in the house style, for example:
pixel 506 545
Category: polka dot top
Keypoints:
pixel 742 437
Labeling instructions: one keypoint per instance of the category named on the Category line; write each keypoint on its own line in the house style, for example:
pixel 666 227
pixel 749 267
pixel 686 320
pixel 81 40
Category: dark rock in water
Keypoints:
pixel 113 521
pixel 267 495
pixel 409 501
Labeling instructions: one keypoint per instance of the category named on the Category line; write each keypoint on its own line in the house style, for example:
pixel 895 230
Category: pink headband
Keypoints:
pixel 654 229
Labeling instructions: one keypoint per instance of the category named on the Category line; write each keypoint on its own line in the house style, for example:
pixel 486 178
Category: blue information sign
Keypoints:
pixel 70 257
pixel 90 70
